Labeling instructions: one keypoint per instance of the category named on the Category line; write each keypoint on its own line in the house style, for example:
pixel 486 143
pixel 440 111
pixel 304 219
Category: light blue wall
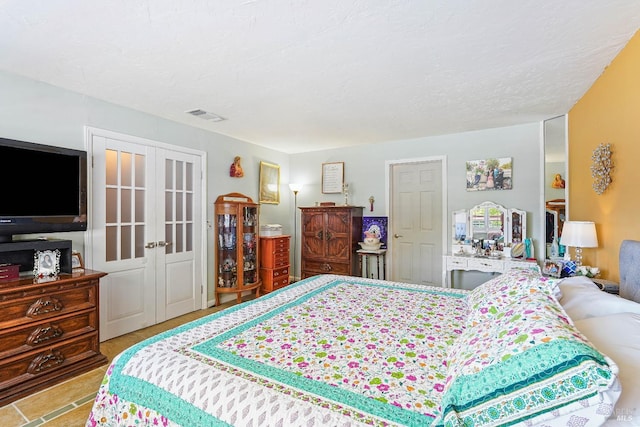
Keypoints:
pixel 365 173
pixel 38 112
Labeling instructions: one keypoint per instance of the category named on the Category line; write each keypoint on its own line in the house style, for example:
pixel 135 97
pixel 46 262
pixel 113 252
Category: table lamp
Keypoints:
pixel 579 234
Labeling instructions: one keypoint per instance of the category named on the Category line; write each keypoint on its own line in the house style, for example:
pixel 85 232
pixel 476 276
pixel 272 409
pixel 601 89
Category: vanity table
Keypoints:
pixel 487 228
pixel 483 264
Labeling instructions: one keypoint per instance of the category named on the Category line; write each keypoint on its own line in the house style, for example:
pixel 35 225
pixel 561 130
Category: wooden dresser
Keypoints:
pixel 48 332
pixel 329 240
pixel 274 262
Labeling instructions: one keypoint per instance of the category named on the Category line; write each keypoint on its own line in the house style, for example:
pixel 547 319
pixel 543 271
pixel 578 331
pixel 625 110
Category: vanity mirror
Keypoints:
pixel 487 222
pixel 487 226
pixel 460 227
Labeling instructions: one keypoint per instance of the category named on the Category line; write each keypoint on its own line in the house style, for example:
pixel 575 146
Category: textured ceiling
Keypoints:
pixel 299 75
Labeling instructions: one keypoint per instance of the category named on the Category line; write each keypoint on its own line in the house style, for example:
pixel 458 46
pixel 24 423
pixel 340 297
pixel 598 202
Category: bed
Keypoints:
pixel 339 350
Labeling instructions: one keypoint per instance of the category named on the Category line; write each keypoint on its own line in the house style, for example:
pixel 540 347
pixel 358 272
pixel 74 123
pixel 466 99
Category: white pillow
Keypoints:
pixel 618 336
pixel 581 299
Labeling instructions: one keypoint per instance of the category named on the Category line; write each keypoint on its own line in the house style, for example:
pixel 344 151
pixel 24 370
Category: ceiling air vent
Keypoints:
pixel 206 115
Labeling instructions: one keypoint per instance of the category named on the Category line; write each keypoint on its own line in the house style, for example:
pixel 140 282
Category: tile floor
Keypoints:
pixel 68 404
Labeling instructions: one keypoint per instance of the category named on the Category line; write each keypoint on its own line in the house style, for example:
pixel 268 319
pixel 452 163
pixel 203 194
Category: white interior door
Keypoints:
pixel 145 231
pixel 178 281
pixel 416 221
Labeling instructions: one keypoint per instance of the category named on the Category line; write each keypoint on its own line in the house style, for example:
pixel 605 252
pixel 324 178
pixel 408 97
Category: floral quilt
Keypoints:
pixel 319 352
pixel 338 350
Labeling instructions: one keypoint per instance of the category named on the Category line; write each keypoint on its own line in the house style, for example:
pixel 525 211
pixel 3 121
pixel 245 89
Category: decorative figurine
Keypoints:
pixel 236 169
pixel 558 181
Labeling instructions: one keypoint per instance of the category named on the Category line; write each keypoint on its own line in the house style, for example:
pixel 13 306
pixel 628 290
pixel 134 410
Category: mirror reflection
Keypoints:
pixel 460 226
pixel 487 228
pixel 487 222
pixel 555 160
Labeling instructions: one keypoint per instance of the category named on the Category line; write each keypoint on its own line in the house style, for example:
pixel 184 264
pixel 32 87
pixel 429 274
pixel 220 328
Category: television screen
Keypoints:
pixel 44 191
pixel 51 183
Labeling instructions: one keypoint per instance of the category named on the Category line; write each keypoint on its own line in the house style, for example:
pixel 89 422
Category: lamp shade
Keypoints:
pixel 579 234
pixel 295 187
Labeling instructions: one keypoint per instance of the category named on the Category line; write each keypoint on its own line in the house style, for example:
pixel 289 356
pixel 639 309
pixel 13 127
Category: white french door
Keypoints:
pixel 146 231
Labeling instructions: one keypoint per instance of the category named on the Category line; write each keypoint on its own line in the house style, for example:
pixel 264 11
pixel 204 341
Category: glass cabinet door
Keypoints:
pixel 249 245
pixel 227 265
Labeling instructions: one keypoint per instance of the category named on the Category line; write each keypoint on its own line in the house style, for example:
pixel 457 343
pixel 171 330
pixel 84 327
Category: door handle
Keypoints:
pixel 151 245
pixel 397 236
pixel 162 243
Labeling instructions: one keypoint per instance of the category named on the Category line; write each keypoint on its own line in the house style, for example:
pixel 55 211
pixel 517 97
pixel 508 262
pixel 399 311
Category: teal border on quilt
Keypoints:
pixel 491 377
pixel 183 413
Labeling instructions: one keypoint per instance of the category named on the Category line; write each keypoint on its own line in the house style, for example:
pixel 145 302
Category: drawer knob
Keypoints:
pixel 45 361
pixel 326 267
pixel 44 305
pixel 44 333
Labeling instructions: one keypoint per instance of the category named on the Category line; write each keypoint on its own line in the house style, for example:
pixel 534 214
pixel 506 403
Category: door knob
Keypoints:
pixel 150 245
pixel 397 235
pixel 162 243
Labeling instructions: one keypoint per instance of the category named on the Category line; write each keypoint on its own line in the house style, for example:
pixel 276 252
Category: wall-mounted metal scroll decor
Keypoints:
pixel 601 167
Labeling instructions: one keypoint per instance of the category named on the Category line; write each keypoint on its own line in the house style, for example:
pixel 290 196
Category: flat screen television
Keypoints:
pixel 44 189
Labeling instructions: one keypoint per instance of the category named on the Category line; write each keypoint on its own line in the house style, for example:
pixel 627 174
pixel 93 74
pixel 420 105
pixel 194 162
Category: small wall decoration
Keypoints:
pixel 46 263
pixel 558 181
pixel 489 174
pixel 235 171
pixel 333 177
pixel 601 167
pixel 269 183
pixel 376 225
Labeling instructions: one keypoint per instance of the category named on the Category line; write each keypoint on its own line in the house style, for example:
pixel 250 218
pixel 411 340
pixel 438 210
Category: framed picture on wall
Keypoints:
pixel 489 174
pixel 332 177
pixel 269 183
pixel 376 225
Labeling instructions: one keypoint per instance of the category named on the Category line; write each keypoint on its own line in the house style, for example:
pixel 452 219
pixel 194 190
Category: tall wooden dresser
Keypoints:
pixel 274 262
pixel 329 240
pixel 48 332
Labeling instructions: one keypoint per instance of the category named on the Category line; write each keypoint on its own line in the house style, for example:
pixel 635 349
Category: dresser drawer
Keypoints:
pixel 280 260
pixel 457 263
pixel 274 251
pixel 273 279
pixel 325 267
pixel 486 265
pixel 31 305
pixel 51 361
pixel 26 338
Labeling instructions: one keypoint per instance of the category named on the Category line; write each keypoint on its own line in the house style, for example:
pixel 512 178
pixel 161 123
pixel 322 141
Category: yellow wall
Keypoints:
pixel 608 113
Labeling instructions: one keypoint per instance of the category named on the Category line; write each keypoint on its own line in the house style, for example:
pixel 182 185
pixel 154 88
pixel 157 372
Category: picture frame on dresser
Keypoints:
pixel 552 268
pixel 77 263
pixel 46 263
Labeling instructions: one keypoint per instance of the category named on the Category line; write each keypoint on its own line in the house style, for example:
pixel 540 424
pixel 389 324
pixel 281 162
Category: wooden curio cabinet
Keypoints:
pixel 329 240
pixel 236 232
